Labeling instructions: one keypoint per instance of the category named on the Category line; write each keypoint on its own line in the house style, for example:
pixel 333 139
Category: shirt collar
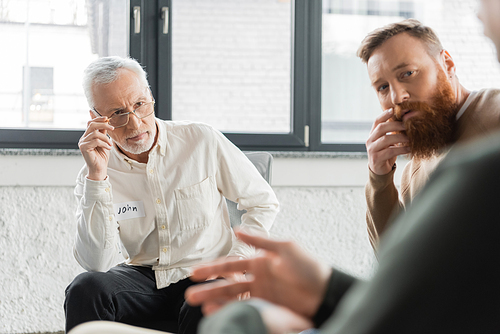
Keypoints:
pixel 162 137
pixel 466 104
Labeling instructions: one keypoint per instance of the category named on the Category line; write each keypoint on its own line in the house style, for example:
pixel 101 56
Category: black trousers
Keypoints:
pixel 128 294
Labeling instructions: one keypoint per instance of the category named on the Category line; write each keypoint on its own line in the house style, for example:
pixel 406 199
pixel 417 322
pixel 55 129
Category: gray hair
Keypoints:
pixel 105 70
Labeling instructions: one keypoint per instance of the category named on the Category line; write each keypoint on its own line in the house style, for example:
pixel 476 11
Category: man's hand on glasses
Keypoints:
pixel 95 146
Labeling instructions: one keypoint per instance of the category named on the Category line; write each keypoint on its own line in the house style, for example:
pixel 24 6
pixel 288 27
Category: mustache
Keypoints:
pixel 406 106
pixel 136 133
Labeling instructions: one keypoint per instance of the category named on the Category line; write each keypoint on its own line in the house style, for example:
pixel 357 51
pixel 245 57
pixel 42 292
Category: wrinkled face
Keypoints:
pixel 125 94
pixel 489 14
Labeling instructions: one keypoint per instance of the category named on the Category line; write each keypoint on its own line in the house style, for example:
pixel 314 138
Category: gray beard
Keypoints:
pixel 138 148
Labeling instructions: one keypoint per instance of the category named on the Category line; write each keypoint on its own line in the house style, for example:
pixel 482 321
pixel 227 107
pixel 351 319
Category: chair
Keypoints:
pixel 263 162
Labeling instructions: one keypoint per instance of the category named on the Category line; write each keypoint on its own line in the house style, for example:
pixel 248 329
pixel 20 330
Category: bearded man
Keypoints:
pixel 426 110
pixel 151 204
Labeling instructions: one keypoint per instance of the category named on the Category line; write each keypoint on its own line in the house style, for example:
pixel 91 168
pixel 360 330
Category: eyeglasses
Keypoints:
pixel 119 120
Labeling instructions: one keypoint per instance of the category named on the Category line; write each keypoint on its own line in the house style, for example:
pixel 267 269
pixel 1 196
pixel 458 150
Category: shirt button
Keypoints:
pixel 107 190
pixel 158 201
pixel 163 227
pixel 151 171
pixel 164 249
pixel 110 218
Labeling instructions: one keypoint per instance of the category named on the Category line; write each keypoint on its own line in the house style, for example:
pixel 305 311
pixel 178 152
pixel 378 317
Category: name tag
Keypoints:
pixel 129 210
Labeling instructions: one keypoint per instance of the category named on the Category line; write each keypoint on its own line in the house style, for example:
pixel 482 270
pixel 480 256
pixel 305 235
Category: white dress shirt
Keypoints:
pixel 171 213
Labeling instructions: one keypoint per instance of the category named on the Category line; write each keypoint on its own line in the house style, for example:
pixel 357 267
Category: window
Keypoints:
pixel 231 64
pixel 38 98
pixel 270 74
pixel 50 43
pixel 348 102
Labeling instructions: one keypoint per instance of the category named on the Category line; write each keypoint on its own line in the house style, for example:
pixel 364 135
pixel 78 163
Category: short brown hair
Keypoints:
pixel 410 26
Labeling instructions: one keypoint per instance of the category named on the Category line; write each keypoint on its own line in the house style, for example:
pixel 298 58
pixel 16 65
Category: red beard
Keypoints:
pixel 433 129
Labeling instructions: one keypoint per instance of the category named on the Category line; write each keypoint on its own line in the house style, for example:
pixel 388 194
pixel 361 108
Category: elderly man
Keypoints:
pixel 151 198
pixel 426 110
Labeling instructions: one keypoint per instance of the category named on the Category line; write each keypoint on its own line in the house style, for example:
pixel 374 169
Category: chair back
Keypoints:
pixel 263 161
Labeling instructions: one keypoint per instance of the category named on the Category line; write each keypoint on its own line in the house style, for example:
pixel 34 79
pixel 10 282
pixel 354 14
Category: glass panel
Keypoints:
pixel 231 64
pixel 51 42
pixel 349 103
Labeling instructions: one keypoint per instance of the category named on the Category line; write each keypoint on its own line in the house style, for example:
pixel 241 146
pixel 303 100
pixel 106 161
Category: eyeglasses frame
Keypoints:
pixel 128 113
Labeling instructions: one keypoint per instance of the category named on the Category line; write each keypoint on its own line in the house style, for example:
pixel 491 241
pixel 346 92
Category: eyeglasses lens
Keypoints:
pixel 119 120
pixel 143 111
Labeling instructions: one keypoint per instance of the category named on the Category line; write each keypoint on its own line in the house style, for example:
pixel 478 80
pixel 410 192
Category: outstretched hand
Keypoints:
pixel 282 274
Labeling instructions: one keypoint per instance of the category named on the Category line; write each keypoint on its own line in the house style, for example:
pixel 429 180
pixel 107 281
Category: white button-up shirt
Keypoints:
pixel 171 213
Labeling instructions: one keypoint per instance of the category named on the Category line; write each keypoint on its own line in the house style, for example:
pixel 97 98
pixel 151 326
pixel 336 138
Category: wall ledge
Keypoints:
pixel 58 167
pixel 275 154
pixel 318 155
pixel 40 151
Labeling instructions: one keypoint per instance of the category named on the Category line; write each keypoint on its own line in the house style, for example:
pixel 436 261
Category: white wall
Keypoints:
pixel 322 207
pixel 36 263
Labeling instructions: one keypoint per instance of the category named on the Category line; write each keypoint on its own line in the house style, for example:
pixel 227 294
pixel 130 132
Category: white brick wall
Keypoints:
pixel 231 63
pixel 37 229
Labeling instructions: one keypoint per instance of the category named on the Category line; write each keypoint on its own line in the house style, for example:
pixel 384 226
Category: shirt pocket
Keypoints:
pixel 195 204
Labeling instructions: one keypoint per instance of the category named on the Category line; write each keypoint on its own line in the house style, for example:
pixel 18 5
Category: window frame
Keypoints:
pixel 315 28
pixel 153 49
